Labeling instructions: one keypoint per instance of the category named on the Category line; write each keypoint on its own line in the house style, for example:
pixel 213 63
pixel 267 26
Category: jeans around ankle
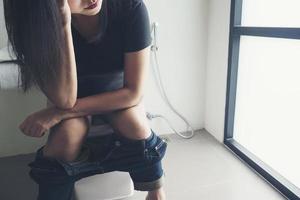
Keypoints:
pixel 141 158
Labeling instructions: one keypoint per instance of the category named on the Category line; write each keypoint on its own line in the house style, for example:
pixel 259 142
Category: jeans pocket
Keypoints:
pixel 157 152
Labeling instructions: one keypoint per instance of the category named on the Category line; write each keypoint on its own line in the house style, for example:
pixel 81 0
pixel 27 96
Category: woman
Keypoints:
pixel 76 52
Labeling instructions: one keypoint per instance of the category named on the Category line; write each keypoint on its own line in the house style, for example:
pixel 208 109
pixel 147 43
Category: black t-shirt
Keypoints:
pixel 128 30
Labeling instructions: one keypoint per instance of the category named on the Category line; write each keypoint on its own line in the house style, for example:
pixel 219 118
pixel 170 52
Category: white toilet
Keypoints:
pixel 108 186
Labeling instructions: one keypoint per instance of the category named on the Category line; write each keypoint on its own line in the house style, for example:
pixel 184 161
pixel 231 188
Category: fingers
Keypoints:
pixel 34 130
pixel 24 127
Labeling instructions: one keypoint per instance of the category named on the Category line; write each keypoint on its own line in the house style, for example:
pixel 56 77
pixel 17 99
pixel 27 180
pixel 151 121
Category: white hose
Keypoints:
pixel 154 49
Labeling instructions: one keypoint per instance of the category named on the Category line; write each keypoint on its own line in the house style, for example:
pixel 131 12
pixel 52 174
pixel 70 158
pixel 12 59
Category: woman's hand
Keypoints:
pixel 65 11
pixel 36 124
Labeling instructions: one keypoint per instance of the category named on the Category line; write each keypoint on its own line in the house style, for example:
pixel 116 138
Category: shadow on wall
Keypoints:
pixel 14 108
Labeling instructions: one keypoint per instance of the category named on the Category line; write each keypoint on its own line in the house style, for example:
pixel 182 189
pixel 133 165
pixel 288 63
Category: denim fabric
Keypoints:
pixel 141 158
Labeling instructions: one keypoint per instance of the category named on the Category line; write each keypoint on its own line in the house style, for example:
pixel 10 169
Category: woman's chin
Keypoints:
pixel 92 12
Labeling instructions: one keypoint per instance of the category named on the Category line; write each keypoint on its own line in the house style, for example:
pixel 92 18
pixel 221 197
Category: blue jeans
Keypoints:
pixel 141 158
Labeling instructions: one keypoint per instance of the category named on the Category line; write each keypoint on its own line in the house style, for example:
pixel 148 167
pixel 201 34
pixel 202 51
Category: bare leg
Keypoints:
pixel 64 143
pixel 132 123
pixel 158 194
pixel 65 139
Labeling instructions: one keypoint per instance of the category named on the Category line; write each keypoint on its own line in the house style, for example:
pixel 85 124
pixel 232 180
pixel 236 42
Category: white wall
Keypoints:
pixel 182 58
pixel 216 74
pixel 3 36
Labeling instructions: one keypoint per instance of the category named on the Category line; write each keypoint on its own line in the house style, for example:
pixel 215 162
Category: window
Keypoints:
pixel 271 13
pixel 263 90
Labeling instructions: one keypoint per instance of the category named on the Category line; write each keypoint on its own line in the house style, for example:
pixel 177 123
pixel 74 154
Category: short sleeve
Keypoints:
pixel 137 33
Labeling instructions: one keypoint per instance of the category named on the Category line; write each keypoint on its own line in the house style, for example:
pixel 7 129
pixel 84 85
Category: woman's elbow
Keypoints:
pixel 136 98
pixel 69 104
pixel 65 104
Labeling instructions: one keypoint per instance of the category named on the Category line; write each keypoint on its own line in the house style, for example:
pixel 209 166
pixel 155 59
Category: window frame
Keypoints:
pixel 284 186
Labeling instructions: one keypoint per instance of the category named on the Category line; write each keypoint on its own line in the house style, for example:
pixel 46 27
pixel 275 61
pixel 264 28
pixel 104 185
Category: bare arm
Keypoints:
pixel 64 92
pixel 136 68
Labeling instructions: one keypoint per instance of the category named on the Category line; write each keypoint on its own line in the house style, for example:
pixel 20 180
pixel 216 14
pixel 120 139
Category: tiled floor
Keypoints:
pixel 196 169
pixel 203 169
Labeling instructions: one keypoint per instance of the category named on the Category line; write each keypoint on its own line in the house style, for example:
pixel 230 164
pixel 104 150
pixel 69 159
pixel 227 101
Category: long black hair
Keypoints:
pixel 34 29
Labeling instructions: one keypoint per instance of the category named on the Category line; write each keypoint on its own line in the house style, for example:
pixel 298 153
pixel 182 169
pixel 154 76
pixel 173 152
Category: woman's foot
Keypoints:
pixel 158 194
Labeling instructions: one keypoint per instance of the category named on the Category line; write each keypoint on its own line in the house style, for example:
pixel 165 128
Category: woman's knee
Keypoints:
pixel 66 138
pixel 72 123
pixel 78 124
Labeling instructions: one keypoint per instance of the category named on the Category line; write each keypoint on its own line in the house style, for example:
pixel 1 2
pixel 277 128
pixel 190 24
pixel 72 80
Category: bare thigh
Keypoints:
pixel 130 122
pixel 65 139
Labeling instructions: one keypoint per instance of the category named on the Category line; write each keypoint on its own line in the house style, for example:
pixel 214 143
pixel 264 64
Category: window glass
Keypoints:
pixel 267 112
pixel 271 13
